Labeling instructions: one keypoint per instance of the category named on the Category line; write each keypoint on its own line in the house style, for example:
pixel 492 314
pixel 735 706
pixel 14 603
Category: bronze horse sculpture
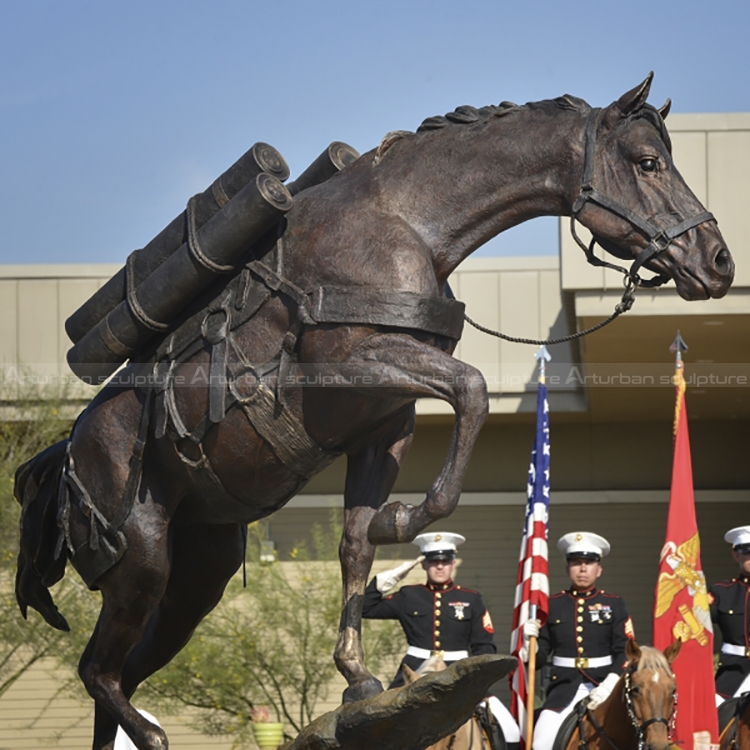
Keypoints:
pixel 385 234
pixel 639 711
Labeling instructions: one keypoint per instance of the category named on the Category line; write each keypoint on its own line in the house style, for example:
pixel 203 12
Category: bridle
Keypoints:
pixel 640 727
pixel 659 240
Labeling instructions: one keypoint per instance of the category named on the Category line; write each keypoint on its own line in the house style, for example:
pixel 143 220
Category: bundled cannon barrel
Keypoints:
pixel 209 238
pixel 160 297
pixel 337 156
pixel 260 158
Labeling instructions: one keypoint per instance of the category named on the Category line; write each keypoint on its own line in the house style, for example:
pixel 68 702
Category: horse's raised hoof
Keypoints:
pixel 390 525
pixel 363 690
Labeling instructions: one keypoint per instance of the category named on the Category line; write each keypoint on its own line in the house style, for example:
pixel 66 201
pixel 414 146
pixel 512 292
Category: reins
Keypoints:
pixel 639 727
pixel 659 241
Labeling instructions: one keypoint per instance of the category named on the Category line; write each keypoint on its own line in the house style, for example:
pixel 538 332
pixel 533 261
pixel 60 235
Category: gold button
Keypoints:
pixel 438 596
pixel 731 611
pixel 580 639
pixel 580 609
pixel 581 601
pixel 580 619
pixel 554 676
pixel 437 644
pixel 580 649
pixel 580 629
pixel 437 631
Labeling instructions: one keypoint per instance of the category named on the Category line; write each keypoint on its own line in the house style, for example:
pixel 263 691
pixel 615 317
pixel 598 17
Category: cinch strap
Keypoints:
pixel 581 662
pixel 425 653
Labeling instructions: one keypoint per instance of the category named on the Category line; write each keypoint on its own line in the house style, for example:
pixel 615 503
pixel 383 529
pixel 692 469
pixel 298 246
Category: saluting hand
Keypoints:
pixel 386 580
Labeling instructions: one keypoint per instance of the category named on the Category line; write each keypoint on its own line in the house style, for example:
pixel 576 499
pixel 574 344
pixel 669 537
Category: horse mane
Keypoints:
pixel 467 115
pixel 652 658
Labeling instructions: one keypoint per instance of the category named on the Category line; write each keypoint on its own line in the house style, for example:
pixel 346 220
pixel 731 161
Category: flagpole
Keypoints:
pixel 542 356
pixel 531 684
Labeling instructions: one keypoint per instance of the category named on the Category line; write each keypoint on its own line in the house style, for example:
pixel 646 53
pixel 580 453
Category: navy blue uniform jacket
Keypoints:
pixel 582 624
pixel 436 617
pixel 729 614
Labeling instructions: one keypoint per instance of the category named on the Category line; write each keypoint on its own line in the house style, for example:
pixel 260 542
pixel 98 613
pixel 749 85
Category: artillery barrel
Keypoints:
pixel 337 156
pixel 260 158
pixel 158 300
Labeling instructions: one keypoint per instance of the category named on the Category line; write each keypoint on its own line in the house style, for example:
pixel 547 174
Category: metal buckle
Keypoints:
pixel 439 653
pixel 747 652
pixel 582 662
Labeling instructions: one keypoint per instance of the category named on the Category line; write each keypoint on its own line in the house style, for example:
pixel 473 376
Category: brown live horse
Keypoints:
pixel 640 709
pixel 392 226
pixel 470 735
pixel 736 734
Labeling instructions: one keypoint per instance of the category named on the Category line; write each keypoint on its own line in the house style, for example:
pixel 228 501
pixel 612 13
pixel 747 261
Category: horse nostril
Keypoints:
pixel 723 262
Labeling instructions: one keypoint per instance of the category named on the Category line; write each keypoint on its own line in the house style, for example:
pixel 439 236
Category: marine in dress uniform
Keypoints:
pixel 585 633
pixel 730 614
pixel 439 616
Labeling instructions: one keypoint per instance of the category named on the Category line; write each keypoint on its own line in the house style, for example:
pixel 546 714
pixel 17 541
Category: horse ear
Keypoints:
pixel 633 652
pixel 664 109
pixel 671 651
pixel 629 102
pixel 410 676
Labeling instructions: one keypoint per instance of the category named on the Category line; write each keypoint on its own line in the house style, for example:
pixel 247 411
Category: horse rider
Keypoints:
pixel 730 613
pixel 439 616
pixel 586 630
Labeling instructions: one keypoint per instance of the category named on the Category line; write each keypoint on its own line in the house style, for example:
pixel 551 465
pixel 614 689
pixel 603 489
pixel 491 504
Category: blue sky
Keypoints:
pixel 113 114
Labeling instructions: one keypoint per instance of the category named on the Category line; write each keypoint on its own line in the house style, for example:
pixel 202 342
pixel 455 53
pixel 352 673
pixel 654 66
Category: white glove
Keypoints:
pixel 531 629
pixel 601 692
pixel 386 580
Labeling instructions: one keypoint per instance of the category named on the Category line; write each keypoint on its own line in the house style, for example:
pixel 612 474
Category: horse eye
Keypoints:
pixel 648 165
pixel 635 690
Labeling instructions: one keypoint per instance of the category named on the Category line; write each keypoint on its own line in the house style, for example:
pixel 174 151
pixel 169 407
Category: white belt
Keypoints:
pixel 581 662
pixel 730 648
pixel 425 653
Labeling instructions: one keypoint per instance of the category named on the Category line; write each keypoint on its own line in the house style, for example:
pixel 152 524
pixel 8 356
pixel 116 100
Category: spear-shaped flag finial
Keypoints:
pixel 678 346
pixel 543 356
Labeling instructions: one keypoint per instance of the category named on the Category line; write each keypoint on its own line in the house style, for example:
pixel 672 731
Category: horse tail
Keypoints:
pixel 41 559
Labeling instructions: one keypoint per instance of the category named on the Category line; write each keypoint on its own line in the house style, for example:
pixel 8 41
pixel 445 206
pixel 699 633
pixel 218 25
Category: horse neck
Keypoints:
pixel 613 717
pixel 462 185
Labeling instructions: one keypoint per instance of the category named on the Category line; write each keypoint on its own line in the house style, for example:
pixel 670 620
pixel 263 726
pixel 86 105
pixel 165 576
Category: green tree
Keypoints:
pixel 270 643
pixel 23 643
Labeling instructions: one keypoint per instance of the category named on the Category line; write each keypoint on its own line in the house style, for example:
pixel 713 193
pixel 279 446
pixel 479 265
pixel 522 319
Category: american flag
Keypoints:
pixel 532 584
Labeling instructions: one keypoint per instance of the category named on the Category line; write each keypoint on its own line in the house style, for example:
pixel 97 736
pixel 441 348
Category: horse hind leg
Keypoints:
pixel 131 591
pixel 203 559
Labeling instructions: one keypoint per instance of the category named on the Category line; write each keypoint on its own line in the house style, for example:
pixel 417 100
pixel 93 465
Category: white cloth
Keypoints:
pixel 549 723
pixel 504 719
pixel 123 742
pixel 743 688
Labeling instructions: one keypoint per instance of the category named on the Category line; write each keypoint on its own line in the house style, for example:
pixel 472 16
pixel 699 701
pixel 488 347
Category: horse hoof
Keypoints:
pixel 361 691
pixel 390 525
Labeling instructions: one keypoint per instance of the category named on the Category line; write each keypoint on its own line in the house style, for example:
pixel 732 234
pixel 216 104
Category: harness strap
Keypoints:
pixel 659 239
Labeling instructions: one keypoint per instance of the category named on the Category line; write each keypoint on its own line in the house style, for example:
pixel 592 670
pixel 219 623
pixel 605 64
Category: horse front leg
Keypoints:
pixel 371 473
pixel 417 369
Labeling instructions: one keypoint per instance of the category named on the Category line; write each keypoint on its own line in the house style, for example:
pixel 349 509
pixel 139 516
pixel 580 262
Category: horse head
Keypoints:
pixel 650 693
pixel 636 204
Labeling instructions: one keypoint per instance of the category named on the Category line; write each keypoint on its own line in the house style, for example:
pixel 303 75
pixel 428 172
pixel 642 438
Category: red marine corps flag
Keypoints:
pixel 681 606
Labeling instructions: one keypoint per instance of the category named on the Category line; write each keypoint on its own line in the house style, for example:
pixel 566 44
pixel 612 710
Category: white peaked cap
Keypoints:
pixel 583 543
pixel 740 535
pixel 438 541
